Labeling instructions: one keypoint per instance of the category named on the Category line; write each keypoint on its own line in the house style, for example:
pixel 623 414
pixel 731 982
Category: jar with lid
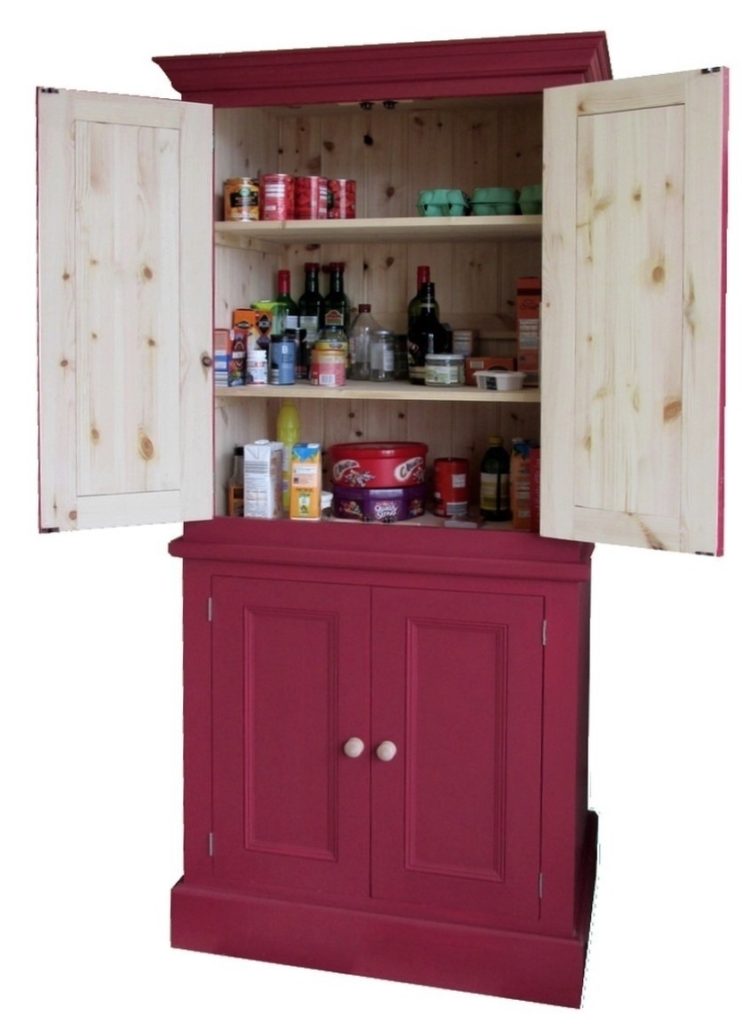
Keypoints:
pixel 444 370
pixel 382 356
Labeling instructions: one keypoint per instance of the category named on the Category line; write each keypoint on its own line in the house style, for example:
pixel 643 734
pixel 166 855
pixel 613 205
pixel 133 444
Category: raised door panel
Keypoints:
pixel 290 687
pixel 633 311
pixel 124 310
pixel 457 687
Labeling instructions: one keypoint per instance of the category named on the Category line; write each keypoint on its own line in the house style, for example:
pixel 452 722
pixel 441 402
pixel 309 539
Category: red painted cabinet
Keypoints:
pixel 381 753
pixel 457 687
pixel 290 685
pixel 386 729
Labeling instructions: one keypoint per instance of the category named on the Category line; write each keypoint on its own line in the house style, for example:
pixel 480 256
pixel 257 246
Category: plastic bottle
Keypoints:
pixel 287 432
pixel 494 483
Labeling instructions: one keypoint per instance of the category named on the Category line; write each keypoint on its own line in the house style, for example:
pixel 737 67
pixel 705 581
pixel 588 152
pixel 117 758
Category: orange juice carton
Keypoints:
pixel 528 319
pixel 306 481
pixel 263 477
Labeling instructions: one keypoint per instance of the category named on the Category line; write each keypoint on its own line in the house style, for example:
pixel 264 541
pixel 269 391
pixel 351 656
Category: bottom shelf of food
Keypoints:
pixel 386 483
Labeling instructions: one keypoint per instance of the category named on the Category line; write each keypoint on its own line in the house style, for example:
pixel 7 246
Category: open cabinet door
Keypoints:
pixel 633 311
pixel 125 286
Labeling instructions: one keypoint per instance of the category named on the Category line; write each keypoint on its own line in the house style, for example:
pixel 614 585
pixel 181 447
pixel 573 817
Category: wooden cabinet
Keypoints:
pixel 465 855
pixel 633 268
pixel 391 748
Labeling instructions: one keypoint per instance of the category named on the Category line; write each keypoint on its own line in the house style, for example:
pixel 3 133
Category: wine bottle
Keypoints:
pixel 285 310
pixel 427 335
pixel 311 317
pixel 415 304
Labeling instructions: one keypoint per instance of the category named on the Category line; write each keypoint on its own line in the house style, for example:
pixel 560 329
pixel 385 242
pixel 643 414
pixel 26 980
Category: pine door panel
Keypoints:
pixel 124 310
pixel 633 265
pixel 290 687
pixel 457 686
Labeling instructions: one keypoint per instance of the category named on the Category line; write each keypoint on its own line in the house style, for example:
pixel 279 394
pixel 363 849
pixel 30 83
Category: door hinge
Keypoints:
pixel 49 90
pixel 543 633
pixel 710 71
pixel 209 609
pixel 540 885
pixel 211 844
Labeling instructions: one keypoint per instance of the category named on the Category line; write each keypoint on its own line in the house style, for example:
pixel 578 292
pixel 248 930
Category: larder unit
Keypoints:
pixel 386 729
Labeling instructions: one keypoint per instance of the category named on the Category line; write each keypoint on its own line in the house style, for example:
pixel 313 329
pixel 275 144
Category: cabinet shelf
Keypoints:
pixel 379 229
pixel 395 391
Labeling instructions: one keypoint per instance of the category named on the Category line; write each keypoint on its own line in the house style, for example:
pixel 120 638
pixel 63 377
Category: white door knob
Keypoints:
pixel 386 751
pixel 353 747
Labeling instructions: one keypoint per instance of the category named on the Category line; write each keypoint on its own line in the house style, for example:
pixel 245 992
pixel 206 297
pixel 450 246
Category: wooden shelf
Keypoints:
pixel 396 391
pixel 250 234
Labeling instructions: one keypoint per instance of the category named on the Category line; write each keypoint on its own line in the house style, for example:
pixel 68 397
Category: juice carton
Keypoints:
pixel 306 481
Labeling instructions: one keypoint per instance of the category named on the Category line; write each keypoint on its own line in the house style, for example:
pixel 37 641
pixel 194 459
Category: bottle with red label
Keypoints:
pixel 337 306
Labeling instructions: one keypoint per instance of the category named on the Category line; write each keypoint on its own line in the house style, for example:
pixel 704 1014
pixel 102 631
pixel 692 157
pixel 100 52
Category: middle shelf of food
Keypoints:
pixel 392 391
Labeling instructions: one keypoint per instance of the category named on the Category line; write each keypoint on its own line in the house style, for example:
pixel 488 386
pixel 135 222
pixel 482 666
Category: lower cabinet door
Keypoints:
pixel 457 691
pixel 290 688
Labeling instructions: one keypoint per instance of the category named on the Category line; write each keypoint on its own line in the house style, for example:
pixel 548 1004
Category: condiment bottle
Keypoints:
pixel 236 484
pixel 494 483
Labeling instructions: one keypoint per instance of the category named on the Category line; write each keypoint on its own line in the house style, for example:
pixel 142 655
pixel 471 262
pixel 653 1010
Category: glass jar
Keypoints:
pixel 444 370
pixel 381 356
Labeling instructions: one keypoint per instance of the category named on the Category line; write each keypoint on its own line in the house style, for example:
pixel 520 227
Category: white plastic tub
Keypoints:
pixel 499 380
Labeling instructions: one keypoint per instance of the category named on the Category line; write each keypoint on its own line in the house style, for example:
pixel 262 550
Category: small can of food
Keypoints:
pixel 327 369
pixel 310 198
pixel 276 197
pixel 451 488
pixel 341 199
pixel 241 197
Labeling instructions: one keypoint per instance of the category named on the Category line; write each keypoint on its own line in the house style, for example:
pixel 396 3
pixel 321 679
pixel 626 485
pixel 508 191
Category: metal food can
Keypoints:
pixel 451 488
pixel 241 197
pixel 282 361
pixel 276 197
pixel 310 198
pixel 327 369
pixel 341 198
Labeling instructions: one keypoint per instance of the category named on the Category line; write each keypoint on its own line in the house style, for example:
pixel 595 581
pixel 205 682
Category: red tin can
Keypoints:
pixel 310 198
pixel 451 488
pixel 378 464
pixel 341 198
pixel 276 197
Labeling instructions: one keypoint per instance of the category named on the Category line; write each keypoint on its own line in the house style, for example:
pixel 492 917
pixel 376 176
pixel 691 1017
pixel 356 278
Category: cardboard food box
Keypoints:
pixel 263 478
pixel 528 317
pixel 306 481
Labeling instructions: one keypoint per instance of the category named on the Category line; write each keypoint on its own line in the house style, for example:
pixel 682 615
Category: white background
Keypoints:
pixel 90 673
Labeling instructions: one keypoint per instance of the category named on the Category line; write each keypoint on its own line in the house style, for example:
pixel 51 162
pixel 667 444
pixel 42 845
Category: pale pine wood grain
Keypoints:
pixel 124 310
pixel 626 272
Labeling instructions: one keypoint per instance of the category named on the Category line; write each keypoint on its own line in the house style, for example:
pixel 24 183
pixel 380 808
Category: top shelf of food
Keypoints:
pixel 523 227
